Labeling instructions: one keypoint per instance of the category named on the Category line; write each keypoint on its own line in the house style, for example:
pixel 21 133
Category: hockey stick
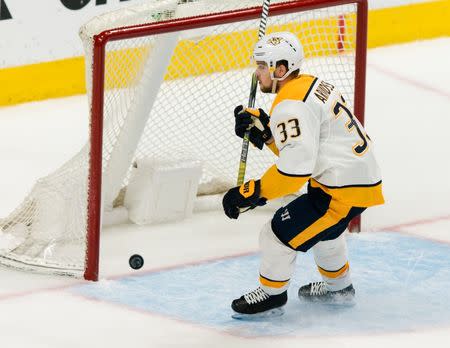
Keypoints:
pixel 252 97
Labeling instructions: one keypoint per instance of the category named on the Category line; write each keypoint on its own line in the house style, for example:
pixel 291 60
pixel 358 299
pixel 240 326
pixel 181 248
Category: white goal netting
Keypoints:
pixel 168 96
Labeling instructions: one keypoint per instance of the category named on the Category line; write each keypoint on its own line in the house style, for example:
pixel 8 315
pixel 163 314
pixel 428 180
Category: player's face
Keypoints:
pixel 263 75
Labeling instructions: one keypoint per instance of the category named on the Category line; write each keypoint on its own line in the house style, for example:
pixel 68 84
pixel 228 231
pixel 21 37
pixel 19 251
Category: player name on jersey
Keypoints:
pixel 323 91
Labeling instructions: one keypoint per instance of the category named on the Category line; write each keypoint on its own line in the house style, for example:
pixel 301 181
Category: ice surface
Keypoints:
pixel 401 293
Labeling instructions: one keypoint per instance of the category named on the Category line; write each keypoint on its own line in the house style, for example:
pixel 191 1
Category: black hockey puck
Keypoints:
pixel 136 261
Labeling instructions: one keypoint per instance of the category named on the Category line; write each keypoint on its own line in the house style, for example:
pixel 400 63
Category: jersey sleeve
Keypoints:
pixel 296 132
pixel 275 184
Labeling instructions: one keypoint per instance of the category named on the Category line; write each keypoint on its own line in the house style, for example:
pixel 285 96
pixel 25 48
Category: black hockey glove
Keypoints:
pixel 244 120
pixel 244 196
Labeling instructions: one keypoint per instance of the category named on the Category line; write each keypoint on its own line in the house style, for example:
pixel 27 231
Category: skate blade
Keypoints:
pixel 343 302
pixel 271 313
pixel 338 301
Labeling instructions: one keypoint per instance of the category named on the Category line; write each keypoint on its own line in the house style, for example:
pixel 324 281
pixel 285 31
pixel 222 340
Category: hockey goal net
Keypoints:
pixel 162 82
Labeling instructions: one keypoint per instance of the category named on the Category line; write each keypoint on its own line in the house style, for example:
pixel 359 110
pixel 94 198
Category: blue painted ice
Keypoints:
pixel 401 284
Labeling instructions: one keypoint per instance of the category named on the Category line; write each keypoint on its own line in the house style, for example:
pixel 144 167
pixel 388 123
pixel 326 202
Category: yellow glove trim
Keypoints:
pixel 253 112
pixel 247 189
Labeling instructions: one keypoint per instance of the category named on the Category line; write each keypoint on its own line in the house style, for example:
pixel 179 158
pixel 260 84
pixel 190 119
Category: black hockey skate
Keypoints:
pixel 318 292
pixel 259 304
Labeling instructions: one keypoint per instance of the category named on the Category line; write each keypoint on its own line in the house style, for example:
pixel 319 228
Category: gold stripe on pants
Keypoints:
pixel 336 212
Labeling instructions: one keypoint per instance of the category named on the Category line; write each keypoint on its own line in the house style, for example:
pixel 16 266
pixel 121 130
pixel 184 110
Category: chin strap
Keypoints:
pixel 274 85
pixel 275 80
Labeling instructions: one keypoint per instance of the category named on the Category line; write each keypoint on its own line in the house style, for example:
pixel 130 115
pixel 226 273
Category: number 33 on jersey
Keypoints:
pixel 318 138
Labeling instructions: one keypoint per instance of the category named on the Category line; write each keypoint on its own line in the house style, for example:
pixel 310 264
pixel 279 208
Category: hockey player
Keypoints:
pixel 320 143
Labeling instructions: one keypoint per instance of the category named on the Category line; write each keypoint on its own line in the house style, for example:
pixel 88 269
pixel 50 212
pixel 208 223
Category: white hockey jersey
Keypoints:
pixel 317 138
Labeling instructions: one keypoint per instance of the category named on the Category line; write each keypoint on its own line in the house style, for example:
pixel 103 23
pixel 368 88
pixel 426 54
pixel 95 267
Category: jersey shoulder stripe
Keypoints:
pixel 296 89
pixel 310 88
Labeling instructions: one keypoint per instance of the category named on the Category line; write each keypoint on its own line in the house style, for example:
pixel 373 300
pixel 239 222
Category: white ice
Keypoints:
pixel 407 115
